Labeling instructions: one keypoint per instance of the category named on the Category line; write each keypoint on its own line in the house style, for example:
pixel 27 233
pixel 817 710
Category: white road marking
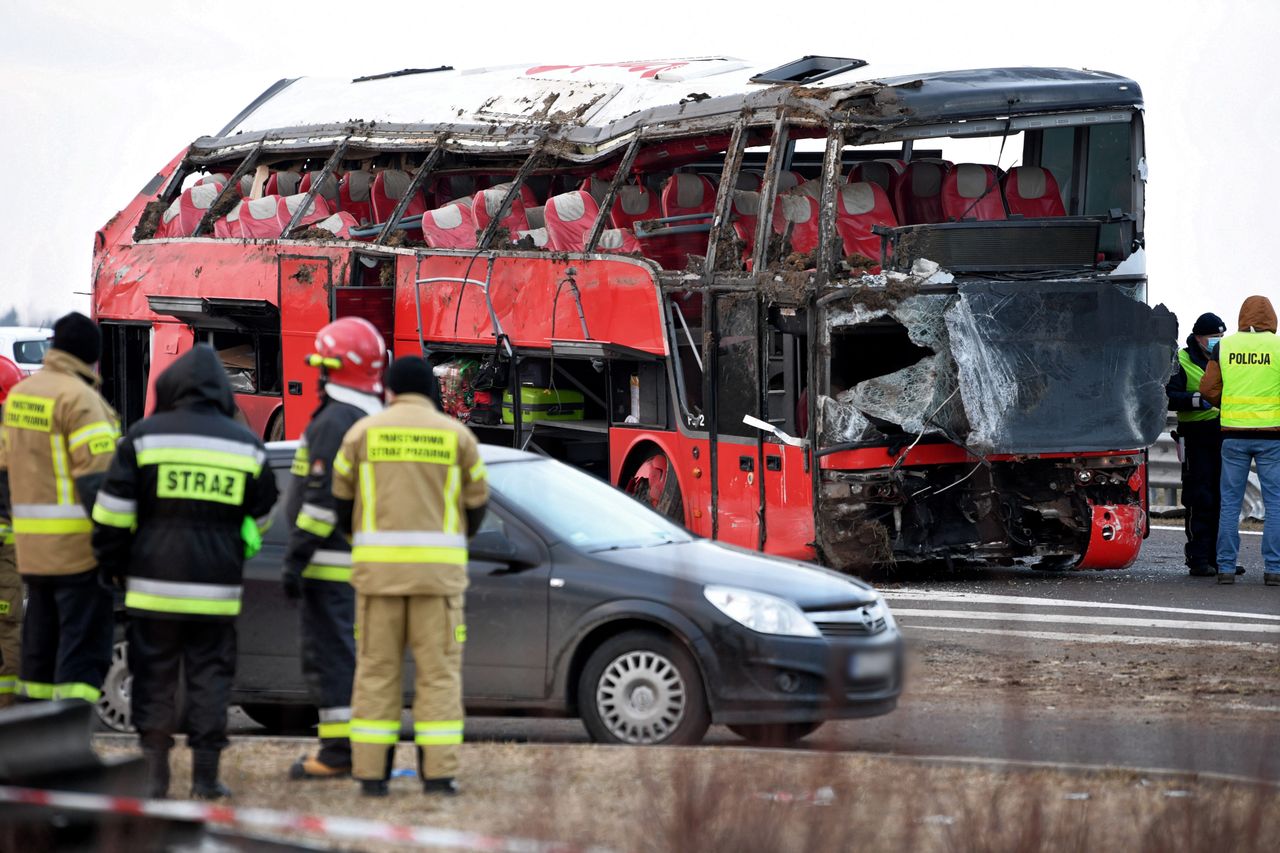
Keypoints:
pixel 1098 621
pixel 1108 639
pixel 1180 530
pixel 986 598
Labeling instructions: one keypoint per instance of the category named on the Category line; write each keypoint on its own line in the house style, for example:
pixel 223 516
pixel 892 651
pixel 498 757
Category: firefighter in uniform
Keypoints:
pixel 410 485
pixel 351 355
pixel 184 503
pixel 1243 380
pixel 59 436
pixel 1200 439
pixel 10 583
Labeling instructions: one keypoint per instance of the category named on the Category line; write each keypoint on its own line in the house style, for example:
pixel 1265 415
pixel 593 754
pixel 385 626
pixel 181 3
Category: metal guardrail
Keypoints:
pixel 1164 478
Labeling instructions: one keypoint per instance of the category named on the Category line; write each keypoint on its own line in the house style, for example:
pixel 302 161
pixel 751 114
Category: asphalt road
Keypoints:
pixel 1014 614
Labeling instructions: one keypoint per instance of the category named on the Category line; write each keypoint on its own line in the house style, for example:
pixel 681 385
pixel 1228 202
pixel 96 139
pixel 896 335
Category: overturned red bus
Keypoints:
pixel 838 316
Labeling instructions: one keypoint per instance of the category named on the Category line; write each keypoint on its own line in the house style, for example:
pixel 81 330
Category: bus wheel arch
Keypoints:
pixel 649 476
pixel 275 426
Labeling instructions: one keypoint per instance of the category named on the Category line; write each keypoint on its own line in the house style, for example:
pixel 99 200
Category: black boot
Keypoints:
pixel 204 776
pixel 445 786
pixel 157 760
pixel 374 787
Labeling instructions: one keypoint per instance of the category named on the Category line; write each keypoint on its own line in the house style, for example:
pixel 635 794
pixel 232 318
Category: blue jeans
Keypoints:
pixel 1236 455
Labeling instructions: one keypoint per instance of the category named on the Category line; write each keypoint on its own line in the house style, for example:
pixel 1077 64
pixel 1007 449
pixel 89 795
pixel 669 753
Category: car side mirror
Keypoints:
pixel 494 546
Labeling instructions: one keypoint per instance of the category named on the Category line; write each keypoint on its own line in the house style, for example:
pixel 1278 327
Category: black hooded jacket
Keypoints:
pixel 170 514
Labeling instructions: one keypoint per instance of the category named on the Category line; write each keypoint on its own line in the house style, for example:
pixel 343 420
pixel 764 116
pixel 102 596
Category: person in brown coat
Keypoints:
pixel 1242 378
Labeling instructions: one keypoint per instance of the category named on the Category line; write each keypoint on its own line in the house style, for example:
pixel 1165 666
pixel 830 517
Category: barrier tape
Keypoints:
pixel 348 828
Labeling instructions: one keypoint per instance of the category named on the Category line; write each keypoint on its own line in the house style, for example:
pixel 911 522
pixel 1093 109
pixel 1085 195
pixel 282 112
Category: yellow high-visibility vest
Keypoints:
pixel 1194 374
pixel 1250 363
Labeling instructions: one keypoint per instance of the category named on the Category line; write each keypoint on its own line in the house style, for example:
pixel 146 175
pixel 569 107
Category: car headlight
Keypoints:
pixel 761 612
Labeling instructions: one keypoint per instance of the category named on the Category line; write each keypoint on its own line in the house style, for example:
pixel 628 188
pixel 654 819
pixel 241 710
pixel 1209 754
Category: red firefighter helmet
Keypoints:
pixel 352 352
pixel 10 375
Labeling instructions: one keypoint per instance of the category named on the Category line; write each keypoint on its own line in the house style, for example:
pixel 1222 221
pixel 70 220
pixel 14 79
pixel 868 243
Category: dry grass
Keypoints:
pixel 730 799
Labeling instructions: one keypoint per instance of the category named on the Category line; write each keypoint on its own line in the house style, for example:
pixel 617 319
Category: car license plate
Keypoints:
pixel 873 664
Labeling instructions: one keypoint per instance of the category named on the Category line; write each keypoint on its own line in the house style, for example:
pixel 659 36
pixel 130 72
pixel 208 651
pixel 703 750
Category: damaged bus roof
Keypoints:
pixel 594 108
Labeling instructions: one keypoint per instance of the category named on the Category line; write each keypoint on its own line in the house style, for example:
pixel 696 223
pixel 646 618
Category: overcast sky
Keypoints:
pixel 96 97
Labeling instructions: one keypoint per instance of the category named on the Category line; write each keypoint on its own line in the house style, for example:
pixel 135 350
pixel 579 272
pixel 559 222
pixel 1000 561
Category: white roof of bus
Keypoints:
pixel 584 94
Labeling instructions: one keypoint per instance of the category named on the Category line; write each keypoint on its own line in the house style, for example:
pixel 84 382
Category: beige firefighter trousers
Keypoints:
pixel 432 627
pixel 10 624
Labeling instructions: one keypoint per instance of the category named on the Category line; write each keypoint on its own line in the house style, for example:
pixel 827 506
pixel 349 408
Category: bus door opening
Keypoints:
pixel 370 293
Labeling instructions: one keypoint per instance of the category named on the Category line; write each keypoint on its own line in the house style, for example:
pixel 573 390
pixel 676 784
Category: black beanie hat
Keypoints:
pixel 410 375
pixel 77 335
pixel 1208 324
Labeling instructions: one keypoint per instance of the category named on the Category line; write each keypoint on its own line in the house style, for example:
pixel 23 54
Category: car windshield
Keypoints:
pixel 579 509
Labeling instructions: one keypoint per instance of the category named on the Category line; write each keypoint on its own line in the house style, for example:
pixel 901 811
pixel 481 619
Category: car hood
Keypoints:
pixel 704 562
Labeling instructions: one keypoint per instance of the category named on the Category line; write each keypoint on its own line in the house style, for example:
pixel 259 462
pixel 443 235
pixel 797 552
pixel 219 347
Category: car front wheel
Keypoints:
pixel 643 688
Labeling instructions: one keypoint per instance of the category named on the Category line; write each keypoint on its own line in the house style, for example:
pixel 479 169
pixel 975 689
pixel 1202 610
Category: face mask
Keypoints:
pixel 1211 343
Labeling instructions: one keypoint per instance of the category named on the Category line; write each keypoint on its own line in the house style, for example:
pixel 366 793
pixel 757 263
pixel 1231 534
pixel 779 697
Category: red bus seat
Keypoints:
pixel 972 191
pixel 749 180
pixel 355 195
pixel 182 216
pixel 917 193
pixel 683 194
pixel 449 227
pixel 527 196
pixel 447 189
pixel 686 193
pixel 1033 192
pixel 228 227
pixel 799 211
pixel 634 203
pixel 863 205
pixel 743 215
pixel 283 183
pixel 487 202
pixel 219 178
pixel 389 186
pixel 597 186
pixel 569 219
pixel 328 190
pixel 788 181
pixel 879 172
pixel 266 218
pixel 339 224
pixel 537 235
pixel 618 240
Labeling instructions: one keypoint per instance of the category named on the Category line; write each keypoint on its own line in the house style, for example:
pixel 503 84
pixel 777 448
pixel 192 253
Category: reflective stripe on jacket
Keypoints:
pixel 317 550
pixel 411 472
pixel 1250 365
pixel 186 482
pixel 57 429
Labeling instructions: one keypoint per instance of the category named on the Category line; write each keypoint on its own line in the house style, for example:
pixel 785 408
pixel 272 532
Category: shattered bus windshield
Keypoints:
pixel 847 319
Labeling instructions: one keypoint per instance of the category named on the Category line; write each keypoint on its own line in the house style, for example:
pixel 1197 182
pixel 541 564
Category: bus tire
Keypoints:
pixel 655 484
pixel 275 426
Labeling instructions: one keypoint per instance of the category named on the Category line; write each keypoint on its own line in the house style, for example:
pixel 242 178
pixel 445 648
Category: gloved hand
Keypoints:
pixel 291 583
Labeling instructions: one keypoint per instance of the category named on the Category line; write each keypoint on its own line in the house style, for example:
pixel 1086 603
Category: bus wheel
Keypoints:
pixel 655 483
pixel 275 429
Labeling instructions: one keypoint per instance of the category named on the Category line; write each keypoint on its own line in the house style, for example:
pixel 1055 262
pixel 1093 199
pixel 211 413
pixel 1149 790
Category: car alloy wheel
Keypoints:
pixel 641 697
pixel 113 707
pixel 643 688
